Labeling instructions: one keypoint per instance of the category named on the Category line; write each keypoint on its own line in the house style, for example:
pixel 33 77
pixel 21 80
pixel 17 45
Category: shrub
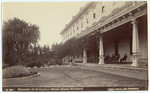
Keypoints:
pixel 15 71
pixel 32 64
pixel 39 64
pixel 52 62
pixel 59 62
pixel 33 72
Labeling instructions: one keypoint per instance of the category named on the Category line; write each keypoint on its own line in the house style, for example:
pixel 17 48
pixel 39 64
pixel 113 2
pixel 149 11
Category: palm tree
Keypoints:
pixel 17 36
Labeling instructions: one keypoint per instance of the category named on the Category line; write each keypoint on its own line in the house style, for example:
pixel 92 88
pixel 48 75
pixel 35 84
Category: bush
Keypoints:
pixel 39 64
pixel 59 62
pixel 15 71
pixel 32 64
pixel 33 72
pixel 52 62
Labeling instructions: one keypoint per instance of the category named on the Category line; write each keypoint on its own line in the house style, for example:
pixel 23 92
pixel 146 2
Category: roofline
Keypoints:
pixel 85 7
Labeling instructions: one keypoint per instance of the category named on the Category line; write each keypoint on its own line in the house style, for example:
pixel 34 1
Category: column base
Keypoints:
pixel 135 59
pixel 101 60
pixel 84 60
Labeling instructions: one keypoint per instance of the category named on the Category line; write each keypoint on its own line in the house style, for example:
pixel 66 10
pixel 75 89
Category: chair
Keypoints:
pixel 123 59
pixel 116 58
pixel 106 59
pixel 111 59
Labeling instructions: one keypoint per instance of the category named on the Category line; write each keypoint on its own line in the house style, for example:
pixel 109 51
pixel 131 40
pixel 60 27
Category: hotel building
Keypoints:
pixel 122 26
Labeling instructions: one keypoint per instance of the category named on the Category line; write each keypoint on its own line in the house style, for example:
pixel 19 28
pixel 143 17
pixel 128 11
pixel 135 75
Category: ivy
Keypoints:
pixel 75 46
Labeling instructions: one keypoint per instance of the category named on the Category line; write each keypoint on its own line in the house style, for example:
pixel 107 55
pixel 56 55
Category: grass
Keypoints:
pixel 73 76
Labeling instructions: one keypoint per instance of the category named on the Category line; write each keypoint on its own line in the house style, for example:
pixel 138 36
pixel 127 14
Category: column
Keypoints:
pixel 135 44
pixel 84 56
pixel 101 50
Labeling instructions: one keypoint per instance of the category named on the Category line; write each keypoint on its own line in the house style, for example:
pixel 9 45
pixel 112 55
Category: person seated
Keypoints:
pixel 123 58
pixel 111 58
pixel 106 59
pixel 116 58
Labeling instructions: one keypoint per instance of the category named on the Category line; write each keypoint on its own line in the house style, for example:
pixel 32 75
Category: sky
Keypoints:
pixel 51 17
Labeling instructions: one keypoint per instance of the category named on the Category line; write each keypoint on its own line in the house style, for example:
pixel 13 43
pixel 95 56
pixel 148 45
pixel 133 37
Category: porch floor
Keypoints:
pixel 113 66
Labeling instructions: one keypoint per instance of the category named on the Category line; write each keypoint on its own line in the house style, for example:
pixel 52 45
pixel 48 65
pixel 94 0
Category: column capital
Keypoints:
pixel 134 21
pixel 101 36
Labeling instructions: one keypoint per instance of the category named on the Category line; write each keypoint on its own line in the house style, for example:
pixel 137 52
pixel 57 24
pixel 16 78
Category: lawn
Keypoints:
pixel 73 76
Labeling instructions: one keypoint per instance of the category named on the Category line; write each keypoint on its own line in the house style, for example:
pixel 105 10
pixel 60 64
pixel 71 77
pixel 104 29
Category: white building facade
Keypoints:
pixel 123 28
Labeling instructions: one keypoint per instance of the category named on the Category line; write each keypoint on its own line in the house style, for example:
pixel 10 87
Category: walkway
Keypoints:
pixel 118 69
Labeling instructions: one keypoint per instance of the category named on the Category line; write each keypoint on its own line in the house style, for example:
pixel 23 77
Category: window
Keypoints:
pixel 103 9
pixel 77 26
pixel 70 32
pixel 114 2
pixel 94 13
pixel 81 23
pixel 67 34
pixel 87 16
pixel 73 29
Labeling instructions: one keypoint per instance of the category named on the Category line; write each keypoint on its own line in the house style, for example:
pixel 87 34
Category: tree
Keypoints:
pixel 17 36
pixel 58 51
pixel 75 46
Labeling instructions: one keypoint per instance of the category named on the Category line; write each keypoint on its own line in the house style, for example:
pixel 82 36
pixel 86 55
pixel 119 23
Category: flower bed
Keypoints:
pixel 17 71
